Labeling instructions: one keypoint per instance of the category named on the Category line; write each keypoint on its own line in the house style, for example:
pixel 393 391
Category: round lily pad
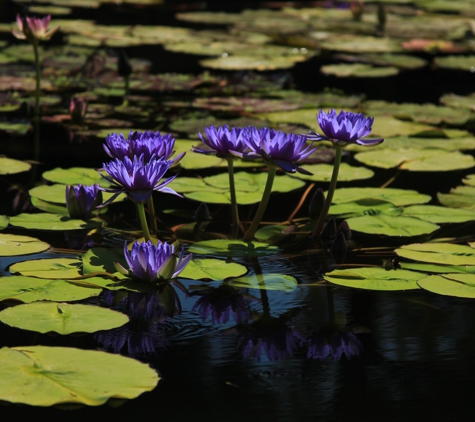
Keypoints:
pixel 358 70
pixel 49 268
pixel 459 197
pixel 47 221
pixel 14 245
pixel 75 175
pixel 438 253
pixel 232 248
pixel 269 281
pixel 323 173
pixel 398 197
pixel 212 269
pixel 458 285
pixel 62 318
pixel 45 376
pixel 391 226
pixel 4 221
pixel 436 214
pixel 11 166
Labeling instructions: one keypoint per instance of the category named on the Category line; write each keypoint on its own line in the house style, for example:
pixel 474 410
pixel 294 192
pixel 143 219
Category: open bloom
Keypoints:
pixel 284 149
pixel 138 143
pixel 33 29
pixel 151 263
pixel 82 201
pixel 137 178
pixel 222 141
pixel 344 128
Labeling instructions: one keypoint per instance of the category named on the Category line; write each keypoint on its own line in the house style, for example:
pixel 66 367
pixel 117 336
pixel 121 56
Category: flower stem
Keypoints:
pixel 36 149
pixel 331 190
pixel 151 215
pixel 263 205
pixel 232 191
pixel 127 90
pixel 143 221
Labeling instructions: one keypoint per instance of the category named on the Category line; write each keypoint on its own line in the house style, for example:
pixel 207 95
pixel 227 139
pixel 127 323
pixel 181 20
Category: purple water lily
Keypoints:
pixel 224 142
pixel 284 149
pixel 33 29
pixel 344 128
pixel 336 345
pixel 138 143
pixel 81 201
pixel 137 178
pixel 151 263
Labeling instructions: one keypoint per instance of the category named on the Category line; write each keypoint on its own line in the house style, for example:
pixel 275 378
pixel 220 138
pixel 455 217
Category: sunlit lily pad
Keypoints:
pixel 459 197
pixel 438 253
pixel 390 226
pixel 242 104
pixel 466 63
pixel 458 285
pixel 365 207
pixel 359 70
pixel 46 221
pixel 437 269
pixel 387 126
pixel 232 248
pixel 13 245
pixel 398 197
pixel 436 214
pixel 53 268
pixel 212 269
pixel 75 175
pixel 361 44
pixel 11 166
pixel 459 101
pixel 45 376
pixel 270 281
pixel 97 260
pixel 31 289
pixel 323 173
pixel 243 62
pixel 375 278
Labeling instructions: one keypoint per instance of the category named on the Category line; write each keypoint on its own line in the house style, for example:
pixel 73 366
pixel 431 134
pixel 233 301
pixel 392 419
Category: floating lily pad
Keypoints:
pixel 4 221
pixel 466 63
pixel 361 44
pixel 270 281
pixel 387 126
pixel 398 197
pixel 365 207
pixel 75 175
pixel 437 215
pixel 15 128
pixel 49 207
pixel 459 101
pixel 438 253
pixel 437 269
pixel 391 226
pixel 323 173
pixel 358 70
pixel 212 269
pixel 459 197
pixel 46 221
pixel 11 166
pixel 405 142
pixel 375 278
pixel 232 248
pixel 30 289
pixel 45 376
pixel 458 285
pixel 97 260
pixel 13 245
pixel 53 268
pixel 242 62
pixel 242 104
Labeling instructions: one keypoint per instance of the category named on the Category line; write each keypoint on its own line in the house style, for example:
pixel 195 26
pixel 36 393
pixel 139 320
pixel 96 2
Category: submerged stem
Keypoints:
pixel 151 215
pixel 36 150
pixel 331 190
pixel 263 205
pixel 232 191
pixel 143 221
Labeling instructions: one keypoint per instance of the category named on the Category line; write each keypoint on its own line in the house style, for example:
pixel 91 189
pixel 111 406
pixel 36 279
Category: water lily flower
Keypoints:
pixel 138 143
pixel 284 149
pixel 344 128
pixel 33 29
pixel 82 201
pixel 336 345
pixel 77 110
pixel 137 178
pixel 151 263
pixel 224 142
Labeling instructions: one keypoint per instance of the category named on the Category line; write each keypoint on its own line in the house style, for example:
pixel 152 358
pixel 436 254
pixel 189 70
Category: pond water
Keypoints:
pixel 310 343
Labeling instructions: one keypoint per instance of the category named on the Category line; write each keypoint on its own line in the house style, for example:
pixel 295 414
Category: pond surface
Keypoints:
pixel 296 346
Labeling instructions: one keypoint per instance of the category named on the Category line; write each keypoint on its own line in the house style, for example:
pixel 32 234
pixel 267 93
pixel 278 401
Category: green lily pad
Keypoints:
pixel 466 63
pixel 14 245
pixel 15 128
pixel 397 197
pixel 30 289
pixel 75 175
pixel 53 268
pixel 46 221
pixel 437 269
pixel 62 318
pixel 232 248
pixel 323 173
pixel 436 214
pixel 270 281
pixel 387 126
pixel 252 62
pixel 399 143
pixel 459 197
pixel 361 44
pixel 391 226
pixel 438 253
pixel 459 101
pixel 49 207
pixel 244 104
pixel 358 70
pixel 4 221
pixel 364 207
pixel 469 180
pixel 375 278
pixel 101 260
pixel 11 166
pixel 46 376
pixel 212 269
pixel 458 285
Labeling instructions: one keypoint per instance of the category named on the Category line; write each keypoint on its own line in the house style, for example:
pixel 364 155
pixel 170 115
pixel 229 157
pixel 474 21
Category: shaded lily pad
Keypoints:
pixel 240 105
pixel 212 269
pixel 323 172
pixel 45 376
pixel 458 285
pixel 11 166
pixel 358 70
pixel 46 221
pixel 51 268
pixel 20 128
pixel 375 278
pixel 270 281
pixel 390 226
pixel 438 253
pixel 62 318
pixel 30 289
pixel 398 197
pixel 13 245
pixel 232 248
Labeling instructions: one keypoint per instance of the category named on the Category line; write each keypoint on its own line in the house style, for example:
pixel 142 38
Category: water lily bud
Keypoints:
pixel 339 245
pixel 202 213
pixel 357 9
pixel 329 230
pixel 124 68
pixel 316 204
pixel 345 229
pixel 77 110
pixel 82 201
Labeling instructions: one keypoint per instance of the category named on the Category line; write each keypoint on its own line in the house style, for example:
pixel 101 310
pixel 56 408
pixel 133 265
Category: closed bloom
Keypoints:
pixel 151 263
pixel 138 143
pixel 344 128
pixel 284 149
pixel 137 178
pixel 33 29
pixel 222 141
pixel 82 201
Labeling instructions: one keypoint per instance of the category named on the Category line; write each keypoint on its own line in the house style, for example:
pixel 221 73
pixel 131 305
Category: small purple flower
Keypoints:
pixel 284 149
pixel 77 110
pixel 82 201
pixel 223 141
pixel 151 263
pixel 337 344
pixel 138 143
pixel 344 128
pixel 137 178
pixel 33 29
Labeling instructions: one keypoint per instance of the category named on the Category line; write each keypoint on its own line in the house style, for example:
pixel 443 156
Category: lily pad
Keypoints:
pixel 11 166
pixel 365 207
pixel 361 44
pixel 459 197
pixel 243 62
pixel 75 175
pixel 46 221
pixel 233 248
pixel 466 63
pixel 398 197
pixel 14 245
pixel 437 269
pixel 358 70
pixel 438 253
pixel 391 226
pixel 458 285
pixel 323 173
pixel 212 269
pixel 30 289
pixel 4 221
pixel 436 214
pixel 270 281
pixel 45 376
pixel 375 278
pixel 54 268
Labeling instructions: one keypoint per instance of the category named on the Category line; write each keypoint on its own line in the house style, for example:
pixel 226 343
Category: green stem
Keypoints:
pixel 232 191
pixel 37 104
pixel 331 190
pixel 151 215
pixel 263 205
pixel 127 90
pixel 143 221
